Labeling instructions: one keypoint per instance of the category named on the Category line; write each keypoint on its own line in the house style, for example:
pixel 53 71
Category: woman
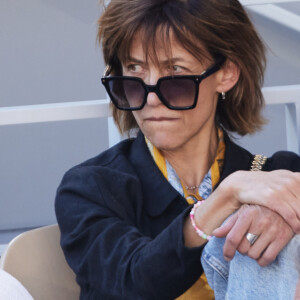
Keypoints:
pixel 184 73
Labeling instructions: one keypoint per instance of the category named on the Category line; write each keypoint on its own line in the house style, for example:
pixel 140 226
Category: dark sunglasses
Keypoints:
pixel 175 92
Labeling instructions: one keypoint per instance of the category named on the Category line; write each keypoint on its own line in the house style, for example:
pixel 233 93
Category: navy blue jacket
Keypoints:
pixel 121 223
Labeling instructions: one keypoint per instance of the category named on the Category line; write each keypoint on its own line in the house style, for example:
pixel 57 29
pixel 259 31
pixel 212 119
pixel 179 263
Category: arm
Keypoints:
pixel 112 257
pixel 109 255
pixel 278 191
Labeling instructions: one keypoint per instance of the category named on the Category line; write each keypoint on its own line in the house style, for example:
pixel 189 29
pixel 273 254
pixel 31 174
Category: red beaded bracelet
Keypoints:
pixel 192 216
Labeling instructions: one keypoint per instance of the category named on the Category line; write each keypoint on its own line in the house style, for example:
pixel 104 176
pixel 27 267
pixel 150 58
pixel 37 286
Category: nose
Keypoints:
pixel 152 98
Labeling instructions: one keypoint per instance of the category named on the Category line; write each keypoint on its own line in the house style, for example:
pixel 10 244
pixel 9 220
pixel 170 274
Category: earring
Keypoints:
pixel 223 96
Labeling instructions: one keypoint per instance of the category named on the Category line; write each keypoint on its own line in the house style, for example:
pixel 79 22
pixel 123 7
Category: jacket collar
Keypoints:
pixel 158 193
pixel 236 158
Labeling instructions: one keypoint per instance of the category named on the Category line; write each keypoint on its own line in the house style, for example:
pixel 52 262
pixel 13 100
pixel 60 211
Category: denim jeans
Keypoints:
pixel 243 279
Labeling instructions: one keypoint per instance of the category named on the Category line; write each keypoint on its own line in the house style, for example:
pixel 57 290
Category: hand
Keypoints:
pixel 277 190
pixel 274 233
pixel 297 295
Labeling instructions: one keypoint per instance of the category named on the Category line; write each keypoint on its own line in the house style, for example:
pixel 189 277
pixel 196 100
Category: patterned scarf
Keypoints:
pixel 201 289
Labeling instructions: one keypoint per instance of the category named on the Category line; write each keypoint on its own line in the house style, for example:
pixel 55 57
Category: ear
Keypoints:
pixel 228 76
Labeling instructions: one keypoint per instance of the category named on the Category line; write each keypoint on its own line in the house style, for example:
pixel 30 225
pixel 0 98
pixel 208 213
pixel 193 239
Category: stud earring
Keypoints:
pixel 223 96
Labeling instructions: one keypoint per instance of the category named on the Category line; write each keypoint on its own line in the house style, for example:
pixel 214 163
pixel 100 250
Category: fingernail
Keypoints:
pixel 227 258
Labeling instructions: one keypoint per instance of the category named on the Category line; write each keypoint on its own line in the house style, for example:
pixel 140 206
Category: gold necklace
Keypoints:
pixel 193 187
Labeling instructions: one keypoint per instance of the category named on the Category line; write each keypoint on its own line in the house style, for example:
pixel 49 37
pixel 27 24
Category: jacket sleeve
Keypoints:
pixel 284 160
pixel 112 259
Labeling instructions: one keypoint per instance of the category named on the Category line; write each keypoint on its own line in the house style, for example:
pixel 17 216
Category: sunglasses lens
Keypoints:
pixel 178 92
pixel 127 93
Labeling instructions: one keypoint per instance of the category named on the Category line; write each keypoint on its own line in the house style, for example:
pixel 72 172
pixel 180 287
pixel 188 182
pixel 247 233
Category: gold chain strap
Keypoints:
pixel 258 162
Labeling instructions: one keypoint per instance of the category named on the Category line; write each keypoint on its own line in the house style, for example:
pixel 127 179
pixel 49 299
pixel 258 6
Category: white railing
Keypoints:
pixel 288 95
pixel 54 112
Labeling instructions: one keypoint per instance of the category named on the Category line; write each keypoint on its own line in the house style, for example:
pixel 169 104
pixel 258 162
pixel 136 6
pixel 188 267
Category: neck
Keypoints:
pixel 194 160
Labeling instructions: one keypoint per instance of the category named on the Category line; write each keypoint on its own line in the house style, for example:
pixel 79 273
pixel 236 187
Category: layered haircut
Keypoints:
pixel 207 29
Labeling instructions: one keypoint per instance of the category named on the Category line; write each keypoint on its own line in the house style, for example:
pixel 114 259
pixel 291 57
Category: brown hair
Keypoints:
pixel 221 26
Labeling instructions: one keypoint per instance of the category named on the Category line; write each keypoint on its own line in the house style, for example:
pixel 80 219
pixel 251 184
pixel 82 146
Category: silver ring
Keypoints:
pixel 251 237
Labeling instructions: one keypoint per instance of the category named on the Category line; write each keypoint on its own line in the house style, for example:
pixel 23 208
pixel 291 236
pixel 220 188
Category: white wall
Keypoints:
pixel 48 54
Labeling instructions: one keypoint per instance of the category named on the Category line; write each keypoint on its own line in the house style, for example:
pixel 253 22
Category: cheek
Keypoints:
pixel 206 105
pixel 207 99
pixel 136 115
pixel 208 89
pixel 204 112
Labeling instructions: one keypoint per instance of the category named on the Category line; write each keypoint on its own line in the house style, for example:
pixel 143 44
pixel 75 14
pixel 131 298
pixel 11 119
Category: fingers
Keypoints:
pixel 274 234
pixel 272 230
pixel 224 229
pixel 237 233
pixel 297 294
pixel 258 250
pixel 275 243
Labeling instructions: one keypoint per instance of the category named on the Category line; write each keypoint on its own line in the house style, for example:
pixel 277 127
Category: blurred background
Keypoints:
pixel 48 54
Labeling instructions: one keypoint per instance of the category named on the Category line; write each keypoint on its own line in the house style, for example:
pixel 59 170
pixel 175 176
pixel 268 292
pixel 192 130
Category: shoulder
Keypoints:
pixel 112 176
pixel 114 156
pixel 108 181
pixel 238 158
pixel 110 167
pixel 283 160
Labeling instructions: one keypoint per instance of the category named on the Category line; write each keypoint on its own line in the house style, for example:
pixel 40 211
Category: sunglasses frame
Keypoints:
pixel 156 88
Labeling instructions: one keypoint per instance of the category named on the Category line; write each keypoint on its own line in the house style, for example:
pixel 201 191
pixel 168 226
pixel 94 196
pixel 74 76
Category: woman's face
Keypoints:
pixel 172 129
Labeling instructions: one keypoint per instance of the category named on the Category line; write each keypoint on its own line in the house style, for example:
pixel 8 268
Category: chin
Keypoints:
pixel 164 141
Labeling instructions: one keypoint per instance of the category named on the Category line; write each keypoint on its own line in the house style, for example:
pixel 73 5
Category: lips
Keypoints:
pixel 160 119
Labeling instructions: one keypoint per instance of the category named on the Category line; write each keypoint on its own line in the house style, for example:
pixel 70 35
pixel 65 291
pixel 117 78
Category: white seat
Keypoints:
pixel 11 288
pixel 37 261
